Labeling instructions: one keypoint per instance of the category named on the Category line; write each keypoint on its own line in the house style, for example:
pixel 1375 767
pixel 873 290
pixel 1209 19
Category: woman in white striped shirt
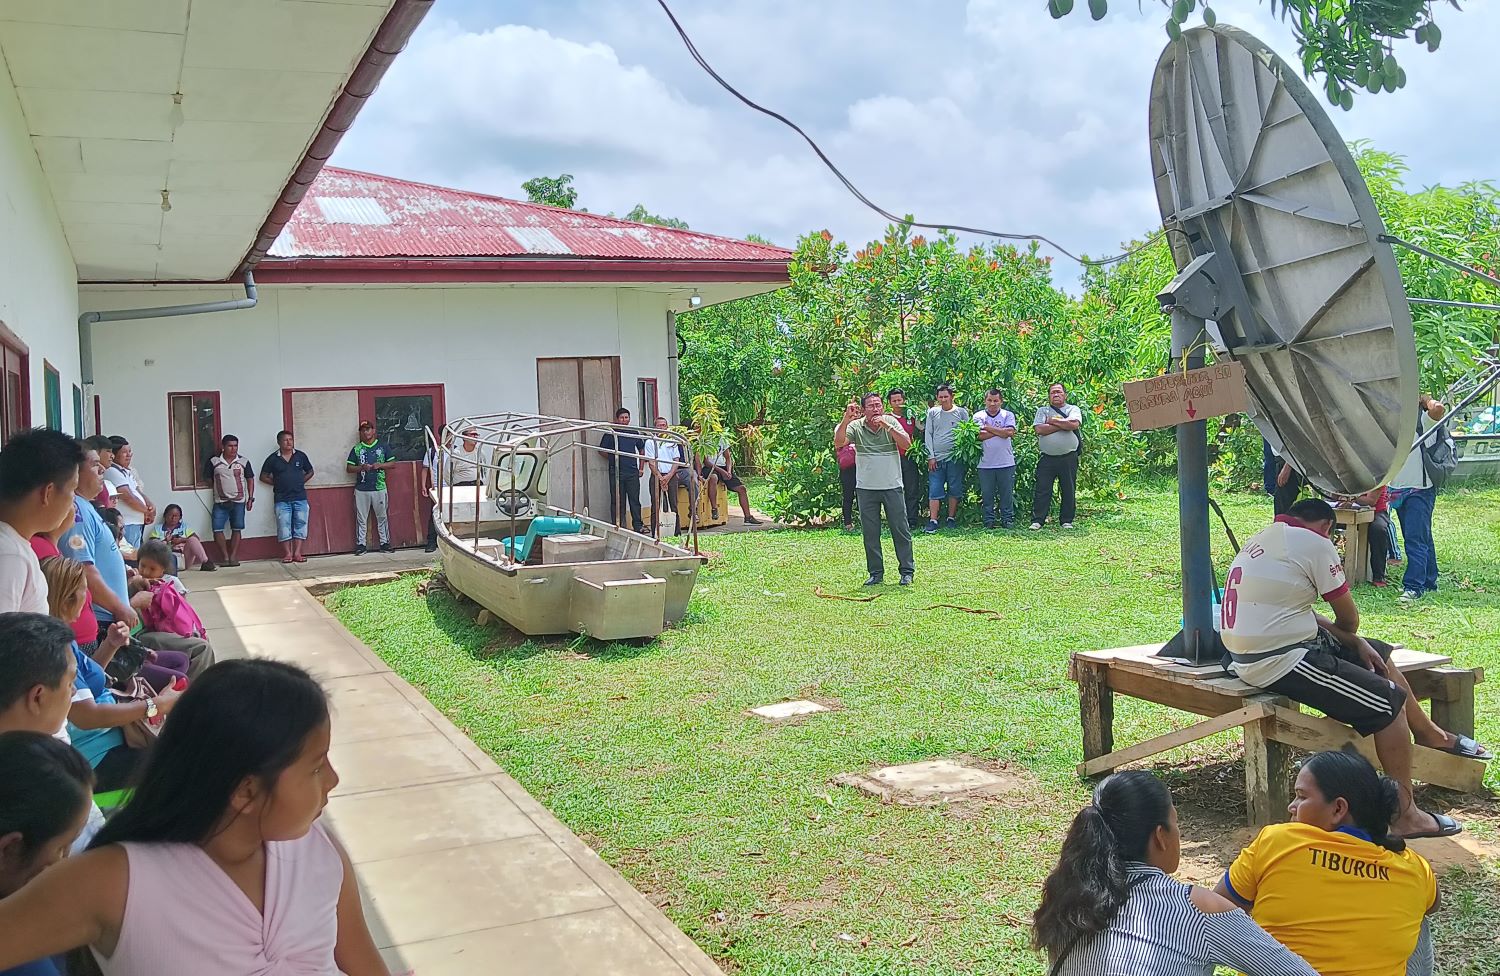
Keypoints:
pixel 1111 907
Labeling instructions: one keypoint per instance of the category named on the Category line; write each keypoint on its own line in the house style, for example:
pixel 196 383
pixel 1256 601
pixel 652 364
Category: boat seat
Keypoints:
pixel 519 547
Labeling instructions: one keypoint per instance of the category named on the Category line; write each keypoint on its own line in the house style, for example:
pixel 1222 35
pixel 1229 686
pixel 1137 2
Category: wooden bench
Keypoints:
pixel 1272 724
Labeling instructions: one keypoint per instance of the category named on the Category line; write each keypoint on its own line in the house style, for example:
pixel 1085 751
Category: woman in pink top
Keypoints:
pixel 218 863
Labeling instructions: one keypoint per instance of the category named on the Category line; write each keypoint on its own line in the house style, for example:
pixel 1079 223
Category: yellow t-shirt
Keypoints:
pixel 1346 905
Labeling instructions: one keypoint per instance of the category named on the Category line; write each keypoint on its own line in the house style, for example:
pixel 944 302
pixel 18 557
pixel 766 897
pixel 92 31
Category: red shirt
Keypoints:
pixel 910 426
pixel 86 627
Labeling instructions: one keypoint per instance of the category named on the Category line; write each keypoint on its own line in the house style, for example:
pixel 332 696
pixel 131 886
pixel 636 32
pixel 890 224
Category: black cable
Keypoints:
pixel 858 194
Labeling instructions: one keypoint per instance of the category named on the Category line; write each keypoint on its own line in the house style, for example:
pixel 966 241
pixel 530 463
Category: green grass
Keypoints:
pixel 732 825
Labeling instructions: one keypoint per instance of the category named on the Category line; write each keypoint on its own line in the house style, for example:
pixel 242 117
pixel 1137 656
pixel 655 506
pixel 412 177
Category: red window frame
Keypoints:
pixel 199 480
pixel 14 353
pixel 642 384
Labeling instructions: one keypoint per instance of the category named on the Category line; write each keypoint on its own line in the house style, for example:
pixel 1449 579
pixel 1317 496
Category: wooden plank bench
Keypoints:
pixel 1272 724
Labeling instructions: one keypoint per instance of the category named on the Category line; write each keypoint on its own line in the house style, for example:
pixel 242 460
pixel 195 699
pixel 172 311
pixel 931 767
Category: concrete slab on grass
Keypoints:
pixel 788 709
pixel 923 783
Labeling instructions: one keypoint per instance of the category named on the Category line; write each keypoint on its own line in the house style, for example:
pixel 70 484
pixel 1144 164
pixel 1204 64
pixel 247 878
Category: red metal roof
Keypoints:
pixel 348 214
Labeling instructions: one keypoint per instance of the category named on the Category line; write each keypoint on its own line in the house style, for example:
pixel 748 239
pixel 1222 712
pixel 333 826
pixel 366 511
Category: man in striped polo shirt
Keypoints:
pixel 1277 642
pixel 878 440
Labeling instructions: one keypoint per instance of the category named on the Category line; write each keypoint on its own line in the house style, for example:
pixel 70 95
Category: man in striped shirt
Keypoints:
pixel 878 440
pixel 1277 642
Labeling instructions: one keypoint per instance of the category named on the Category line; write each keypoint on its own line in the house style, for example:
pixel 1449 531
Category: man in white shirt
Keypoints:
pixel 136 510
pixel 945 473
pixel 38 476
pixel 1413 496
pixel 1276 641
pixel 670 469
pixel 1058 445
pixel 463 460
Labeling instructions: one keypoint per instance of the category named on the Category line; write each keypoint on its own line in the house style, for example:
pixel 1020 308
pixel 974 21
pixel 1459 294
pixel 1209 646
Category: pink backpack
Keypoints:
pixel 170 612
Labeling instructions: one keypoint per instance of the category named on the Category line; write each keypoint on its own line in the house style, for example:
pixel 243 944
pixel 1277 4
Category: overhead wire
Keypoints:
pixel 860 195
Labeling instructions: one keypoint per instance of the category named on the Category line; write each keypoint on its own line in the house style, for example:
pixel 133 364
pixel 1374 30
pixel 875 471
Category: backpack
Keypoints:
pixel 170 613
pixel 1439 454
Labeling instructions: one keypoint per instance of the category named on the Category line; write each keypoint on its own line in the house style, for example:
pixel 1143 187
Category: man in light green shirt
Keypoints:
pixel 878 440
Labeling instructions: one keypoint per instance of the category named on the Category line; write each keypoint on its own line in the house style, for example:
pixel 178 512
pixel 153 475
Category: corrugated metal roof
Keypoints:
pixel 347 214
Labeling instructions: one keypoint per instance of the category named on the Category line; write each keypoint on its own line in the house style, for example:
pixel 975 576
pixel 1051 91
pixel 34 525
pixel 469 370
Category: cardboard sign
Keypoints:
pixel 1179 398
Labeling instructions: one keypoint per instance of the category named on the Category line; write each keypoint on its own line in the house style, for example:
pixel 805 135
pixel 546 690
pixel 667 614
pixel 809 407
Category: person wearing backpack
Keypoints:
pixel 1413 493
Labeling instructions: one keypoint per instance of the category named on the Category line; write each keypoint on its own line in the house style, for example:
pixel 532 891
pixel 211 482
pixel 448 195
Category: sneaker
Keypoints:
pixel 931 526
pixel 360 550
pixel 989 525
pixel 714 513
pixel 905 579
pixel 386 547
pixel 1410 596
pixel 875 581
pixel 1035 526
pixel 1067 525
pixel 952 523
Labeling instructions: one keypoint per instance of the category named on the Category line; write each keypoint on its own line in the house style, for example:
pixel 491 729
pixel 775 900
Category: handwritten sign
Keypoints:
pixel 1179 398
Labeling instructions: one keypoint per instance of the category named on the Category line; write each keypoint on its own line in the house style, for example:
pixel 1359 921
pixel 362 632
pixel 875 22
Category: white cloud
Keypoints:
pixel 988 113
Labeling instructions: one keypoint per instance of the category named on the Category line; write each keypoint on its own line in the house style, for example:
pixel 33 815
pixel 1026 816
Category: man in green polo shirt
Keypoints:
pixel 878 440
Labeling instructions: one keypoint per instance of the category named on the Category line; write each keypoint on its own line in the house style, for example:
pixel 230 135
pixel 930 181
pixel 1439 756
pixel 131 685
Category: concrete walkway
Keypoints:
pixel 462 871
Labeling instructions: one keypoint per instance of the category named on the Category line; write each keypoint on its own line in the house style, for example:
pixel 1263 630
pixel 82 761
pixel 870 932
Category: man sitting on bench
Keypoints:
pixel 1278 643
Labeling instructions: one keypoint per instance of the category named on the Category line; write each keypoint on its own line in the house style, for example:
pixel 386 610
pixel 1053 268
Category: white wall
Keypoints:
pixel 38 280
pixel 481 343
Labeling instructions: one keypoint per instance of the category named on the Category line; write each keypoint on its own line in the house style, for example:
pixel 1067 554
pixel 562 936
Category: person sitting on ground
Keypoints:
pixel 1111 905
pixel 67 591
pixel 38 478
pixel 116 525
pixel 170 622
pixel 222 835
pixel 183 541
pixel 1277 642
pixel 46 792
pixel 1334 885
pixel 719 470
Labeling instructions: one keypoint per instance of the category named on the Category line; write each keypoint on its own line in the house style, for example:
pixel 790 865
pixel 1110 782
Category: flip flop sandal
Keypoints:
pixel 1447 827
pixel 1464 746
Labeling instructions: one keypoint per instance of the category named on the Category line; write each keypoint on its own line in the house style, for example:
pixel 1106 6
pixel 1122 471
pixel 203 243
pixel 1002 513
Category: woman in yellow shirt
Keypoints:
pixel 1333 885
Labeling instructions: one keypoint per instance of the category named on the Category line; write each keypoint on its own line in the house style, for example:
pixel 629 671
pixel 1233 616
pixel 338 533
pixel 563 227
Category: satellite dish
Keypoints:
pixel 1277 241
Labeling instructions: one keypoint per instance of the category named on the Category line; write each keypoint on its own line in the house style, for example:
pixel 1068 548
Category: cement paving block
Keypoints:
pixel 934 781
pixel 788 709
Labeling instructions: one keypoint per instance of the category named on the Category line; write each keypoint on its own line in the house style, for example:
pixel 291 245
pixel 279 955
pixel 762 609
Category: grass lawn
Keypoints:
pixel 732 826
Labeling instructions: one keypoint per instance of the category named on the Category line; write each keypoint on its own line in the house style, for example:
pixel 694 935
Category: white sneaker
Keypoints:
pixel 1407 596
pixel 1035 526
pixel 1067 525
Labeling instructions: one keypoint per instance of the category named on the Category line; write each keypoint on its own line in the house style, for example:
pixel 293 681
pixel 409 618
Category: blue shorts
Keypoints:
pixel 949 473
pixel 231 514
pixel 291 520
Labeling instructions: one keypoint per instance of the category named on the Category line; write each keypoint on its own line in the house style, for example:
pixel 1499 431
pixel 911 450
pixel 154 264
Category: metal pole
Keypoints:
pixel 1192 502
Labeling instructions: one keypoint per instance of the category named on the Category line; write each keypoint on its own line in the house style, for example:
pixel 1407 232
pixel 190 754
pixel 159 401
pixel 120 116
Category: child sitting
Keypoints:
pixel 111 517
pixel 154 562
pixel 170 622
pixel 180 539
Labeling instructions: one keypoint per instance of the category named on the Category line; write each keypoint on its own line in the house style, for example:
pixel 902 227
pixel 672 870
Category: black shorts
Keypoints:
pixel 1335 681
pixel 733 482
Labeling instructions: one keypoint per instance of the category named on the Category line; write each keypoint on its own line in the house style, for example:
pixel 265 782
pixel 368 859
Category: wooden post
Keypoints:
pixel 1268 775
pixel 1454 711
pixel 1096 709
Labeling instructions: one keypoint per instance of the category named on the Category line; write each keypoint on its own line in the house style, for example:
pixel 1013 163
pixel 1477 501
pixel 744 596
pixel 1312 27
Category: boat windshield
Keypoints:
pixel 514 471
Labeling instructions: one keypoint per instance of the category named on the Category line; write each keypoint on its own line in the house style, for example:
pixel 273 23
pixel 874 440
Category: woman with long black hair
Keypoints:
pixel 1333 884
pixel 218 863
pixel 1111 907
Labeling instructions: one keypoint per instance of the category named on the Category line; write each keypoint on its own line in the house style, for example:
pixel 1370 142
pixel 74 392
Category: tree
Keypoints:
pixel 1349 43
pixel 641 215
pixel 552 191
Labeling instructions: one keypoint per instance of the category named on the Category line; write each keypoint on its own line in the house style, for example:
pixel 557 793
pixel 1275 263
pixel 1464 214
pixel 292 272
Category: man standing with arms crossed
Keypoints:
pixel 878 441
pixel 997 465
pixel 1059 443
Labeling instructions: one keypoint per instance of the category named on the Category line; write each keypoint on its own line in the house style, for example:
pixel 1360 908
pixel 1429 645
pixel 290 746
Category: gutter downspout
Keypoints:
pixel 87 319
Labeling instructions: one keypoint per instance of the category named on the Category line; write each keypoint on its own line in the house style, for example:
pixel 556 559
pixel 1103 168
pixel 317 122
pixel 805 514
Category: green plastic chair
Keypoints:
pixel 540 526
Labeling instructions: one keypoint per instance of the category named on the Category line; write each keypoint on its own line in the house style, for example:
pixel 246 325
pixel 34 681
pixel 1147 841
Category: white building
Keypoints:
pixel 151 159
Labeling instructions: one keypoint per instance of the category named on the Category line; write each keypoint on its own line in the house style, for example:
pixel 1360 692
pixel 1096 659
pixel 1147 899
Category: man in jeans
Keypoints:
pixel 1413 494
pixel 945 473
pixel 997 465
pixel 287 471
pixel 911 479
pixel 622 454
pixel 878 440
pixel 368 461
pixel 234 495
pixel 1056 426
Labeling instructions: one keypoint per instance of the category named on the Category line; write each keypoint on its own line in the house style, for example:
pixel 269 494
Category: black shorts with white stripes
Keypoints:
pixel 1335 681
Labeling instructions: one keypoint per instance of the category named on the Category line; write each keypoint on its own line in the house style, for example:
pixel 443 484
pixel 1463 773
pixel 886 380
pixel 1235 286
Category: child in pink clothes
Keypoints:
pixel 218 863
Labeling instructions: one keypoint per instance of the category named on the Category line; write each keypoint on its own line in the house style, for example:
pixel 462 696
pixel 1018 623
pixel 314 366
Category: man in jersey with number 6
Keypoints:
pixel 1277 642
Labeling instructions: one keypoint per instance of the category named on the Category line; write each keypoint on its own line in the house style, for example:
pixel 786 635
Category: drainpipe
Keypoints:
pixel 674 350
pixel 87 319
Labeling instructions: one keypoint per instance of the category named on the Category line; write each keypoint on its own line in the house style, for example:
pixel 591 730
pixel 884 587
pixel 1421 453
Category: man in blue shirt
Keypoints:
pixel 92 543
pixel 287 471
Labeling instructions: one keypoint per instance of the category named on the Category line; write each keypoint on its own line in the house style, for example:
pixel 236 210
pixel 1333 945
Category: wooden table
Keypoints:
pixel 1355 524
pixel 1272 725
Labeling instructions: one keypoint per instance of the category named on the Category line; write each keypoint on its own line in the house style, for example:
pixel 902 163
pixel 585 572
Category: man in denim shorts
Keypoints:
pixel 945 473
pixel 234 494
pixel 287 470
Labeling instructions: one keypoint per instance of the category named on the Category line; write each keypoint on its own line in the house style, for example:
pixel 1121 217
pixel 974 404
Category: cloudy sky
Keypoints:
pixel 985 112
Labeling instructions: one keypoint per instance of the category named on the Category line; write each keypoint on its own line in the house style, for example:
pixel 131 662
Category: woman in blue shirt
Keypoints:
pixel 44 803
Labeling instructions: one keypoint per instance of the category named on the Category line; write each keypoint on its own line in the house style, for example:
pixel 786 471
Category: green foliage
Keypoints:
pixel 553 191
pixel 1349 43
pixel 641 215
pixel 966 446
pixel 708 435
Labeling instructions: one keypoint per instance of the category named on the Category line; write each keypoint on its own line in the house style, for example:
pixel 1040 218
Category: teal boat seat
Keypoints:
pixel 519 547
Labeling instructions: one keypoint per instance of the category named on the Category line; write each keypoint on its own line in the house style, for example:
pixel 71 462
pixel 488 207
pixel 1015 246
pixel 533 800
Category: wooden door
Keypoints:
pixel 15 395
pixel 582 388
